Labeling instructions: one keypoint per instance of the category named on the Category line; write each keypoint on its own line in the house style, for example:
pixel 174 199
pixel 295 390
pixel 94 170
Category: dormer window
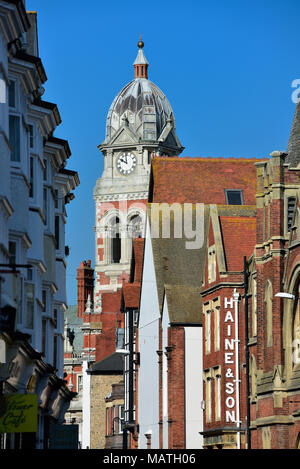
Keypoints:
pixel 234 197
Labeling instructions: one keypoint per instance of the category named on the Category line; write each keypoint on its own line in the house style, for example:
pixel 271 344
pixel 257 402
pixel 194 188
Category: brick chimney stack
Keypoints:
pixel 85 286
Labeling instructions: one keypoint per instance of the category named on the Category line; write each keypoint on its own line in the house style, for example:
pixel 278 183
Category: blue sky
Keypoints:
pixel 226 67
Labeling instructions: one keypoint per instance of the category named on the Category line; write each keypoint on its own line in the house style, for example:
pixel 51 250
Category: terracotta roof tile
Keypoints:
pixel 202 180
pixel 239 236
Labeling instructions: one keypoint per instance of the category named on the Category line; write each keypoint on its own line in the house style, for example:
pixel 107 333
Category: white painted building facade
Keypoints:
pixel 150 398
pixel 34 189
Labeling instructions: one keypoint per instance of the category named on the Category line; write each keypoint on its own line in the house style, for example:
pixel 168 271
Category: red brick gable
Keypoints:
pixel 138 247
pixel 239 235
pixel 202 180
pixel 131 291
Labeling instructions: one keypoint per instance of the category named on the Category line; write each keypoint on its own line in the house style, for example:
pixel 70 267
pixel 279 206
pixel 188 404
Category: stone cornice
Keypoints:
pixel 6 205
pixel 125 196
pixel 47 116
pixel 13 19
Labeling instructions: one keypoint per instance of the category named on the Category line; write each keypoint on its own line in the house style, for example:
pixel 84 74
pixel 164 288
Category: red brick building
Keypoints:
pixel 274 320
pixel 269 301
pixel 178 276
pixel 232 232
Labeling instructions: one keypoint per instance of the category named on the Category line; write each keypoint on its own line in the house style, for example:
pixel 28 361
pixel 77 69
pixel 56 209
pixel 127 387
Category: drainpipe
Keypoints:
pixel 247 355
pixel 236 297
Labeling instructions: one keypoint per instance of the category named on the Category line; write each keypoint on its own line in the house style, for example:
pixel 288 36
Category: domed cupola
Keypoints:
pixel 142 114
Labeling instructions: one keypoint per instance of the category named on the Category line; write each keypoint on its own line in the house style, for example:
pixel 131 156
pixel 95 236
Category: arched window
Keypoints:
pixel 115 240
pixel 296 327
pixel 268 310
pixel 254 307
pixel 253 377
pixel 135 228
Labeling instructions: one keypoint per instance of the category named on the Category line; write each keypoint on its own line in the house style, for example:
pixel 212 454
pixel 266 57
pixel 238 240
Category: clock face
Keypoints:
pixel 126 163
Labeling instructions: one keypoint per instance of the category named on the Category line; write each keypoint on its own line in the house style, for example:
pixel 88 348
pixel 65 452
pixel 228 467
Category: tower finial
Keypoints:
pixel 140 43
pixel 140 63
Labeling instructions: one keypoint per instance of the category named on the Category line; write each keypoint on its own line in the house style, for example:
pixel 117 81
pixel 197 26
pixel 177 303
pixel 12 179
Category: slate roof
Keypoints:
pixel 113 364
pixel 184 304
pixel 74 322
pixel 293 148
pixel 179 267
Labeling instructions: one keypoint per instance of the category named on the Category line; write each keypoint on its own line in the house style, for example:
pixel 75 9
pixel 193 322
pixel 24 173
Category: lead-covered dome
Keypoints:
pixel 144 107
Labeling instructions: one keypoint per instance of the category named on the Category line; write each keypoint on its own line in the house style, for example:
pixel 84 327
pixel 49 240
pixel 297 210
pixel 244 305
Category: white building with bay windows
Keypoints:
pixel 35 188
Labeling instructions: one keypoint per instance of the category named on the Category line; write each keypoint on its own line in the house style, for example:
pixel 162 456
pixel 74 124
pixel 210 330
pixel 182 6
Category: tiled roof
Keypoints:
pixel 202 180
pixel 239 236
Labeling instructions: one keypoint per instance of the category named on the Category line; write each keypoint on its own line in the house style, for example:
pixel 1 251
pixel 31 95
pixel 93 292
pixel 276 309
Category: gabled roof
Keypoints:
pixel 233 233
pixel 239 237
pixel 176 264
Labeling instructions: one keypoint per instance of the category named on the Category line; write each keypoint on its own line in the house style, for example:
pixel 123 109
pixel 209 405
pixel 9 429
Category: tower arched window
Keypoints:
pixel 135 227
pixel 115 240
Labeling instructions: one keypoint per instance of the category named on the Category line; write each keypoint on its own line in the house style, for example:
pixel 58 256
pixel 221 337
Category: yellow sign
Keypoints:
pixel 18 413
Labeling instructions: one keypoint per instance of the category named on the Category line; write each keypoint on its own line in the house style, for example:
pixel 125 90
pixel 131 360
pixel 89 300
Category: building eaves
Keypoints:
pixel 72 175
pixel 33 60
pixel 61 142
pixel 14 19
pixel 49 106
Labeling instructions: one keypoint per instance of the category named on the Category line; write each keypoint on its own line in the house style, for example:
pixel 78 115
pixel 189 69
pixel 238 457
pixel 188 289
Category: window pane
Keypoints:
pixel 234 197
pixel 44 329
pixel 12 247
pixel 29 295
pixel 45 170
pixel 31 136
pixel 45 205
pixel 31 177
pixel 12 94
pixel 57 231
pixel 14 137
pixel 290 211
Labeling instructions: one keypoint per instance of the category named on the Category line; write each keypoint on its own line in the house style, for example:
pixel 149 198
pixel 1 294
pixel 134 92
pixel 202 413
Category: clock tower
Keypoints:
pixel 140 123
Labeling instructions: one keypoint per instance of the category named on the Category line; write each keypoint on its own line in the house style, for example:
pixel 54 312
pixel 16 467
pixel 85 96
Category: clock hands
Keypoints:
pixel 126 163
pixel 124 159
